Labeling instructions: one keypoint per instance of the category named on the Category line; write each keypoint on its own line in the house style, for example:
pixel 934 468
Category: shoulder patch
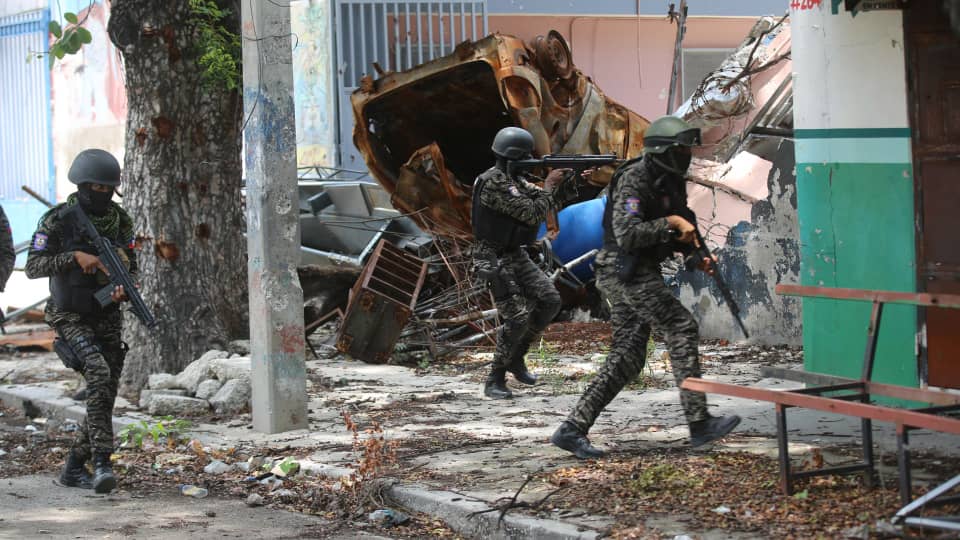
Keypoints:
pixel 632 206
pixel 39 241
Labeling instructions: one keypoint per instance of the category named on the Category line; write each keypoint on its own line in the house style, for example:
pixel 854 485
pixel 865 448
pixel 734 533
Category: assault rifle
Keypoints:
pixel 703 252
pixel 576 162
pixel 117 272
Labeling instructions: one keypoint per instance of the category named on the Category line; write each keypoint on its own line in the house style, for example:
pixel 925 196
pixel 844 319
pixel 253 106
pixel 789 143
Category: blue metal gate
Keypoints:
pixel 26 157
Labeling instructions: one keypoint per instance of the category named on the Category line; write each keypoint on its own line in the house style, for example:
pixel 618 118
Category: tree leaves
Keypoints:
pixel 67 41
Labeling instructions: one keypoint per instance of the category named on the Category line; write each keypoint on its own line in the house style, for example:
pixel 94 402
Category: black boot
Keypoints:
pixel 75 473
pixel 570 438
pixel 519 369
pixel 103 479
pixel 711 429
pixel 495 386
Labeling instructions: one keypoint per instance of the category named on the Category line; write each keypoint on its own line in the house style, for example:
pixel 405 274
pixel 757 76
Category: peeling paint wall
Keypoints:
pixel 89 99
pixel 756 253
pixel 854 186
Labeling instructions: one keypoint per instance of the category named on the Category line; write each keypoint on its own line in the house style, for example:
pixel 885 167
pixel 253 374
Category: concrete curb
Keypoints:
pixel 38 401
pixel 455 510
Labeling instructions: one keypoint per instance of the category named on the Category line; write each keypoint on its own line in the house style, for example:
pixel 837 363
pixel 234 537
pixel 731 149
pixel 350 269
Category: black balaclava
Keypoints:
pixel 674 160
pixel 94 202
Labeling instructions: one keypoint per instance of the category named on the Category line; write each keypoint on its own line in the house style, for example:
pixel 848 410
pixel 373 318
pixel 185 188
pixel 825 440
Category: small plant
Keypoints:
pixel 168 429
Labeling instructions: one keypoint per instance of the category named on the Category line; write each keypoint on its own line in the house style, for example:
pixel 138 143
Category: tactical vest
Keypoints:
pixel 73 290
pixel 655 254
pixel 499 229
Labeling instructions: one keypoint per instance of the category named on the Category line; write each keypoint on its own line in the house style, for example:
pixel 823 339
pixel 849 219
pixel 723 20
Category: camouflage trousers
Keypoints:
pixel 527 303
pixel 635 306
pixel 97 342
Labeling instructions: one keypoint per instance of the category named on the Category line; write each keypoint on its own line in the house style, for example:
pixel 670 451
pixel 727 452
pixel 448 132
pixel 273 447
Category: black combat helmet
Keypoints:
pixel 95 166
pixel 513 143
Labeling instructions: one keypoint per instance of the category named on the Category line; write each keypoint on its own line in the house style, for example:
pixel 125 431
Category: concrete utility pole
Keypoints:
pixel 273 228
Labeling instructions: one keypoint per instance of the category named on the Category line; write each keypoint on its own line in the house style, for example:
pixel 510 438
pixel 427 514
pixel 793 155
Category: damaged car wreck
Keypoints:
pixel 425 134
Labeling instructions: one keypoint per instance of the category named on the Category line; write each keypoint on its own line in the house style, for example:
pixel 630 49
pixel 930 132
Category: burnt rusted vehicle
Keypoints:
pixel 425 133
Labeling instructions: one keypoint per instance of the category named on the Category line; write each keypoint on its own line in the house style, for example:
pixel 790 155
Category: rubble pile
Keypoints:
pixel 218 381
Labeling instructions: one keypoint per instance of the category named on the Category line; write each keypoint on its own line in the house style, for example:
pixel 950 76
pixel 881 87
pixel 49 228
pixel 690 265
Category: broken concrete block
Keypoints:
pixel 164 405
pixel 231 368
pixel 240 346
pixel 208 388
pixel 146 394
pixel 233 397
pixel 162 381
pixel 199 370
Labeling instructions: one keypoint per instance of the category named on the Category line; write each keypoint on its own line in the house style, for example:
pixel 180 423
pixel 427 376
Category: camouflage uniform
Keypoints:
pixel 8 255
pixel 639 225
pixel 95 336
pixel 527 301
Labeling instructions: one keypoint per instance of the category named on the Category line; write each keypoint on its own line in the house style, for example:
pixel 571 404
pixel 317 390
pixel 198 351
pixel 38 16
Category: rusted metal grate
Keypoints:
pixel 381 303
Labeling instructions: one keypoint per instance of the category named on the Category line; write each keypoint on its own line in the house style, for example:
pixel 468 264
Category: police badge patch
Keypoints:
pixel 39 241
pixel 514 191
pixel 633 206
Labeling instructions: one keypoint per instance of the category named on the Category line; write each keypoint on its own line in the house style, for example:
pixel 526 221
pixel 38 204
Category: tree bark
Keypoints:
pixel 181 184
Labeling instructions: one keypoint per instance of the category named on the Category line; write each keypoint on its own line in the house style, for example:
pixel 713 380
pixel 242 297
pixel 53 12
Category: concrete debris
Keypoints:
pixel 145 395
pixel 199 370
pixel 254 500
pixel 226 369
pixel 239 346
pixel 162 381
pixel 208 388
pixel 387 517
pixel 167 405
pixel 233 397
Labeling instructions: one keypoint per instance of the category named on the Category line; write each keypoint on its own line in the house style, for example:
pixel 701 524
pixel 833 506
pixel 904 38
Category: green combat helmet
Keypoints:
pixel 667 142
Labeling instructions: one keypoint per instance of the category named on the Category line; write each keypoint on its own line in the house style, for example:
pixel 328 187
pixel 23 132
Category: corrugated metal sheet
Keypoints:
pixel 25 153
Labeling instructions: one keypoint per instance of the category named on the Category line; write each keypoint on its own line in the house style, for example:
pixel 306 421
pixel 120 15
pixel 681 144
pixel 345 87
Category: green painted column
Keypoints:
pixel 854 187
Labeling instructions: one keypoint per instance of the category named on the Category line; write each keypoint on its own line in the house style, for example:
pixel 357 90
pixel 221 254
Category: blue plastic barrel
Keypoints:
pixel 581 229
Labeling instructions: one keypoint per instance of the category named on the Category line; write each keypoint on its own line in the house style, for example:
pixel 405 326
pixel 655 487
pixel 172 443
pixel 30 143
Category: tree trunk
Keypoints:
pixel 181 184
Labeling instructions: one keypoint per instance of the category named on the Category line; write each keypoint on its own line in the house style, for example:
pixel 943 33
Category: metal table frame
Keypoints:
pixel 853 398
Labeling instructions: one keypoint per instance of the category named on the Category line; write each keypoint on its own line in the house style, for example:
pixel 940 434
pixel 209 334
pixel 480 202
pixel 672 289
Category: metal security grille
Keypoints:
pixel 397 36
pixel 24 115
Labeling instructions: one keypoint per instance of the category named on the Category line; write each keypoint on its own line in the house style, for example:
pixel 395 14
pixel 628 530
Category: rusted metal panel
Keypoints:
pixel 425 133
pixel 381 303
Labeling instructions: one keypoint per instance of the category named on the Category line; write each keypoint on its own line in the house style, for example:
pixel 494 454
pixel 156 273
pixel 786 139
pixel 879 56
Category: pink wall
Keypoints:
pixel 606 49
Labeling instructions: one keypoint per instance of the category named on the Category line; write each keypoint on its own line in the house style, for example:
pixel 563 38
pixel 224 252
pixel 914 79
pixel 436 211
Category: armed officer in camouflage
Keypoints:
pixel 88 334
pixel 641 229
pixel 507 213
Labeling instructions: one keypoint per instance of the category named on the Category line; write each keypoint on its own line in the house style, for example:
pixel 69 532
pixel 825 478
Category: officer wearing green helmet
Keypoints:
pixel 88 335
pixel 642 227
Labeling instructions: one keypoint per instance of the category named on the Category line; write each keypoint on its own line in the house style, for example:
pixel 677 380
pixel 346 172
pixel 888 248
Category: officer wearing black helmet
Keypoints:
pixel 507 212
pixel 641 228
pixel 89 336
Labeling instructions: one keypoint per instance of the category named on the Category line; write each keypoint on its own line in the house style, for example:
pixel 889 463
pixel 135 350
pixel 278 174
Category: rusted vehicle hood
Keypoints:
pixel 425 133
